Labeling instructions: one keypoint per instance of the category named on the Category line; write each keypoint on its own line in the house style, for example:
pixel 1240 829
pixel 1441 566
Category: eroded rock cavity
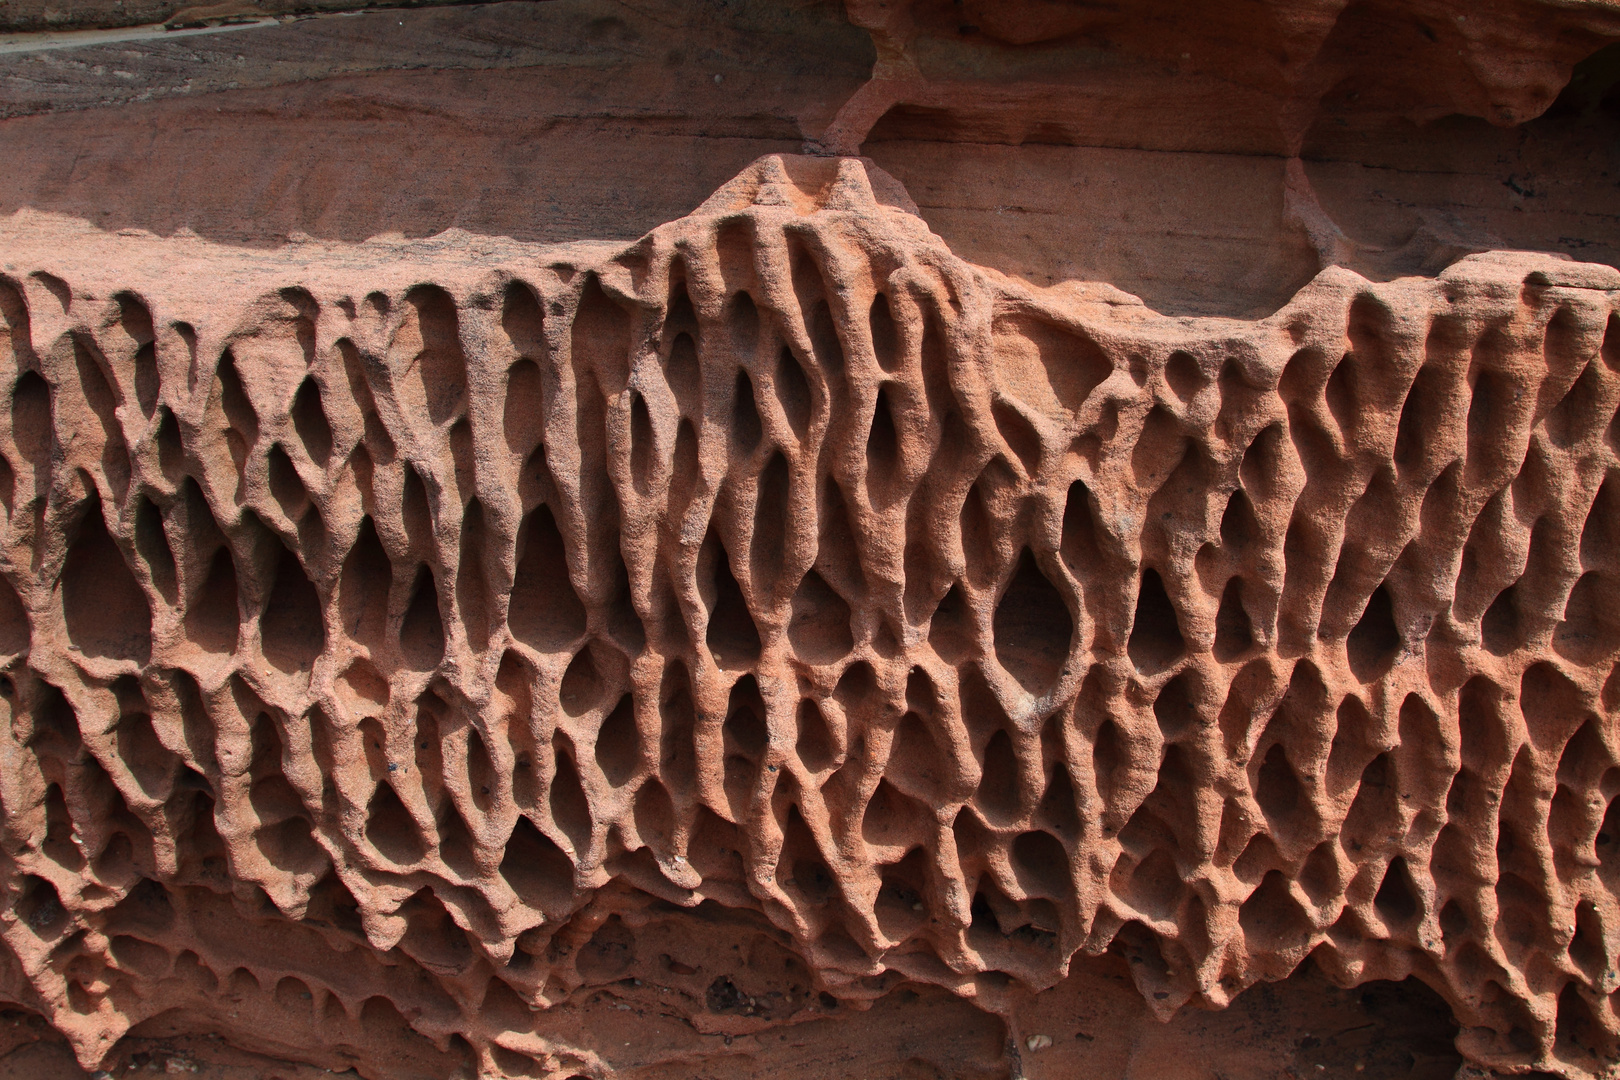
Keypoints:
pixel 391 629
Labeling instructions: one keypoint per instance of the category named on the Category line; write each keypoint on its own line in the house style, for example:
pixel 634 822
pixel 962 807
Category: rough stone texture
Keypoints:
pixel 1213 160
pixel 471 609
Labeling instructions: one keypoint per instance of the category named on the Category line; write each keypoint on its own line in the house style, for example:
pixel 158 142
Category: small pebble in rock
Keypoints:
pixel 1038 1042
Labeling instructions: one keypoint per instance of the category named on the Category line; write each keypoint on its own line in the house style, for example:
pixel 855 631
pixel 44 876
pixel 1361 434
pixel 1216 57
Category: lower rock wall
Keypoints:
pixel 406 638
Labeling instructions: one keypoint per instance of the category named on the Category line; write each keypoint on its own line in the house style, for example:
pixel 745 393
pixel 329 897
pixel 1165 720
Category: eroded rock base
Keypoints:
pixel 653 1021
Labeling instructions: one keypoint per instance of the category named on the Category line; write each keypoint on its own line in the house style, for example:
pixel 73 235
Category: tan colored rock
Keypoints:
pixel 400 631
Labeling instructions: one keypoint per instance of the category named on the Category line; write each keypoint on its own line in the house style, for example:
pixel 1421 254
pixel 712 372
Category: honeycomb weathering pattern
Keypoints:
pixel 435 602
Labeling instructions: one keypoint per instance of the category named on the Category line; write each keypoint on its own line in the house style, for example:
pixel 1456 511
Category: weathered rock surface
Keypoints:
pixel 403 635
pixel 1213 161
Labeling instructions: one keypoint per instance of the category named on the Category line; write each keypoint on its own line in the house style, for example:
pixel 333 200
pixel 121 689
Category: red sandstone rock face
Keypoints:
pixel 400 633
pixel 1218 76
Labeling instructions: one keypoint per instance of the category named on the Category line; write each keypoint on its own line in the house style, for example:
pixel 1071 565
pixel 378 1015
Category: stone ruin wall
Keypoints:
pixel 470 609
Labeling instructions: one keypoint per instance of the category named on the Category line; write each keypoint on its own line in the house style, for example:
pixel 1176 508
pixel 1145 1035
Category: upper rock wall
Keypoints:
pixel 1251 77
pixel 461 605
pixel 34 16
pixel 1147 147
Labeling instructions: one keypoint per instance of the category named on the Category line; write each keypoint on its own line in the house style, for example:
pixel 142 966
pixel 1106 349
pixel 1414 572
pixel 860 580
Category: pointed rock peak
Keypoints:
pixel 809 184
pixel 851 190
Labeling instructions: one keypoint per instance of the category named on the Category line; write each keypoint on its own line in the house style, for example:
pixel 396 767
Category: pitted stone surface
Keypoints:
pixel 459 606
